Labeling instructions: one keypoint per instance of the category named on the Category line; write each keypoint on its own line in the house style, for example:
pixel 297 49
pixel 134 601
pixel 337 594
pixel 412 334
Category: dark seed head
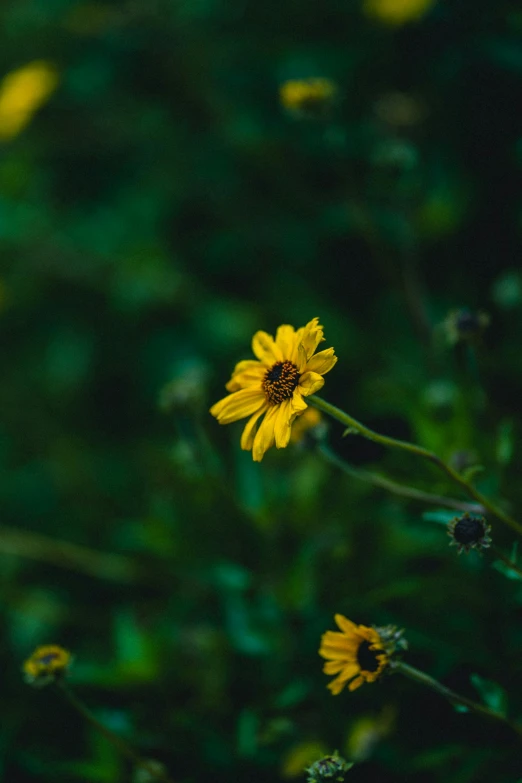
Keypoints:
pixel 366 658
pixel 467 323
pixel 280 381
pixel 469 530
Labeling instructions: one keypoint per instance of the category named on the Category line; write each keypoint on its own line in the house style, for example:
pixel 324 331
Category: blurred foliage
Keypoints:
pixel 157 206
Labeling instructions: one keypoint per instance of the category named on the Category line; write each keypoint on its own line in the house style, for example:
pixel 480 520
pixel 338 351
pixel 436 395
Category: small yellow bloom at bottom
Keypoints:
pixel 356 655
pixel 47 664
pixel 397 12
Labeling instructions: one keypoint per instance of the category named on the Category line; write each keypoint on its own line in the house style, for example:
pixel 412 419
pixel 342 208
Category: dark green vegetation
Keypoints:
pixel 157 211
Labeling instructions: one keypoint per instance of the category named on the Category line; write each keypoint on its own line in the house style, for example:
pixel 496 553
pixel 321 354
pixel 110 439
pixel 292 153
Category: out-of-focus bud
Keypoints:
pixel 22 92
pixel 309 98
pixel 465 325
pixel 329 768
pixel 47 664
pixel 397 12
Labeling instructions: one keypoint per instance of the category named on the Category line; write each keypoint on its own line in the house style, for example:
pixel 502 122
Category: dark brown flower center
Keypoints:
pixel 366 658
pixel 280 381
pixel 45 660
pixel 469 530
pixel 467 323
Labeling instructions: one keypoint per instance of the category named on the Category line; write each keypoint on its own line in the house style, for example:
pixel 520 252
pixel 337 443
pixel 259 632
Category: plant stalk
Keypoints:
pixel 454 698
pixel 393 486
pixel 419 451
pixel 114 739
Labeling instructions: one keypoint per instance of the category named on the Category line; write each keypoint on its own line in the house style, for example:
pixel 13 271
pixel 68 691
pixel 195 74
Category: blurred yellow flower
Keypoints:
pixel 397 12
pixel 310 419
pixel 22 92
pixel 300 756
pixel 308 96
pixel 46 664
pixel 286 371
pixel 356 654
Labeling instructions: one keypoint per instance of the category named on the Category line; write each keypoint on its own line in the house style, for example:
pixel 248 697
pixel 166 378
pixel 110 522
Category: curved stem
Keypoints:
pixel 419 451
pixel 393 486
pixel 118 743
pixel 454 698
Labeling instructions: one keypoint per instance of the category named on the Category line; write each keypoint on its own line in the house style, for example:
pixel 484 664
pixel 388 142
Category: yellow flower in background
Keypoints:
pixel 310 419
pixel 356 654
pixel 274 385
pixel 397 12
pixel 22 92
pixel 46 664
pixel 300 756
pixel 308 96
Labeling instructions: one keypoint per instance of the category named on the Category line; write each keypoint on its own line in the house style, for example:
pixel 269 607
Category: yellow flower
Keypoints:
pixel 397 12
pixel 286 371
pixel 310 419
pixel 22 92
pixel 46 664
pixel 356 654
pixel 307 96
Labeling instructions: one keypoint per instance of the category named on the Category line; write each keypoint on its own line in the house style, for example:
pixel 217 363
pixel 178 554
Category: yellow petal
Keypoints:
pixel 312 336
pixel 265 435
pixel 298 404
pixel 339 639
pixel 238 405
pixel 286 340
pixel 349 671
pixel 265 349
pixel 301 357
pixel 247 438
pixel 336 686
pixel 332 653
pixel 322 362
pixel 247 364
pixel 250 374
pixel 337 645
pixel 310 382
pixel 334 667
pixel 345 624
pixel 282 428
pixel 356 683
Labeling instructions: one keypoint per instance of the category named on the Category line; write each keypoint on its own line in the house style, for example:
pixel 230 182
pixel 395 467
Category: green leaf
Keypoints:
pixel 493 695
pixel 506 571
pixel 505 442
pixel 247 733
pixel 441 517
pixel 350 431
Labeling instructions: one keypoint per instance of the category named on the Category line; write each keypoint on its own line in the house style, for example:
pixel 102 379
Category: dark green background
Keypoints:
pixel 156 212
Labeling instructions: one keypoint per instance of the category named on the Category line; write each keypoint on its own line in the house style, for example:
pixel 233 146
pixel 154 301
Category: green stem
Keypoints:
pixel 454 698
pixel 393 486
pixel 403 445
pixel 118 743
